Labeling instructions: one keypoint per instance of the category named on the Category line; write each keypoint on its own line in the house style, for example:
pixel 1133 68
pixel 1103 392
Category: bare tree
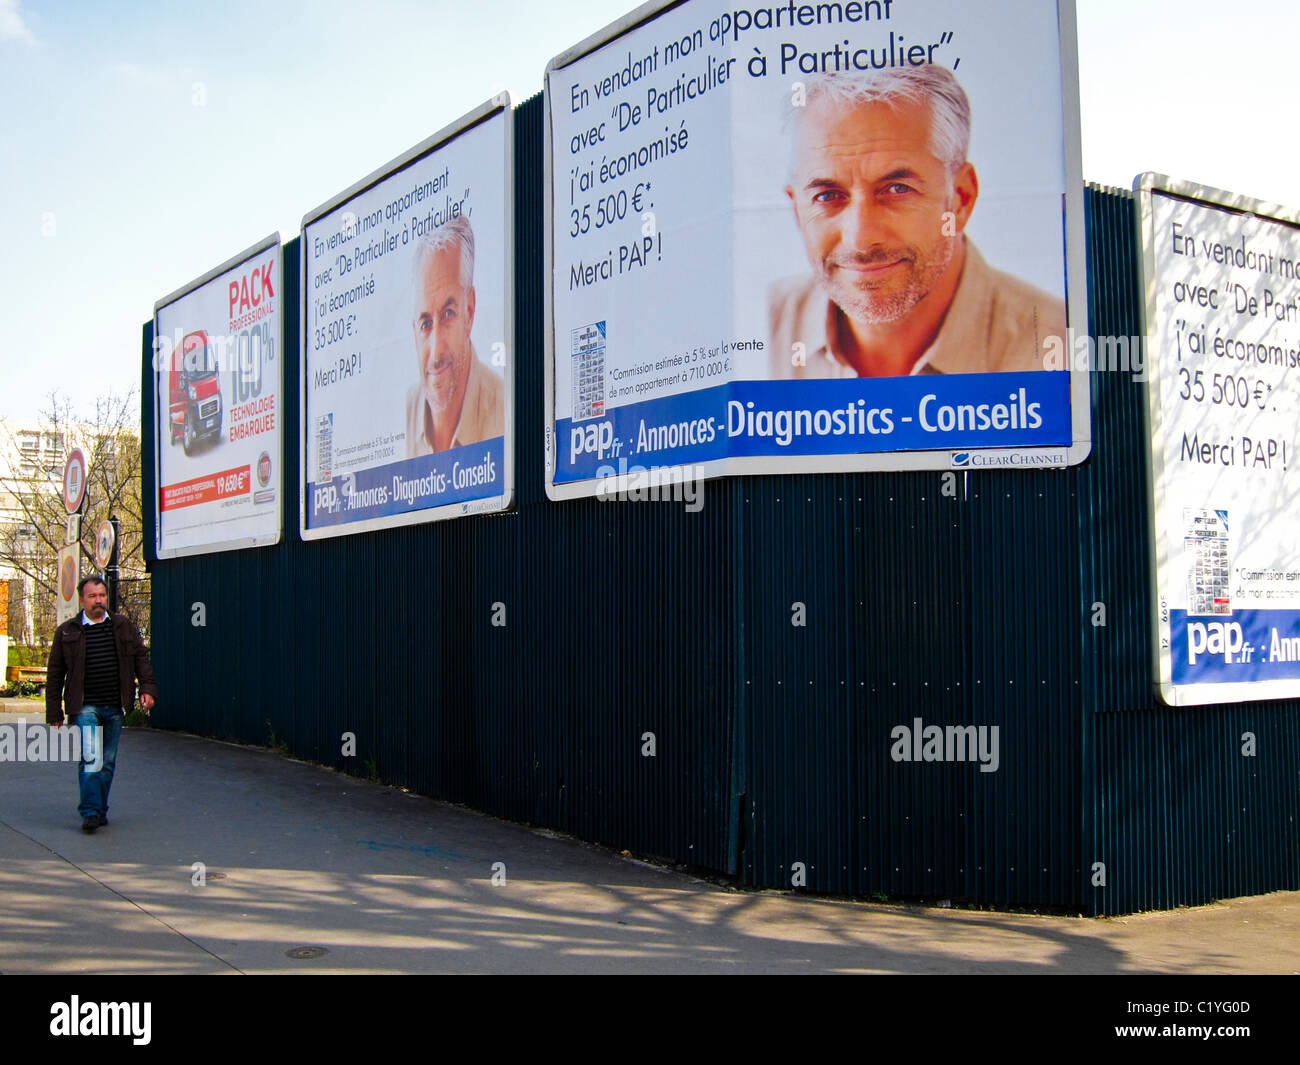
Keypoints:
pixel 31 479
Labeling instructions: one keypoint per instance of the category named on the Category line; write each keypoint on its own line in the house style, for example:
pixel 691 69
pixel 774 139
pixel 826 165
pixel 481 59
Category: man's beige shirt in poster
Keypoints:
pixel 482 414
pixel 996 323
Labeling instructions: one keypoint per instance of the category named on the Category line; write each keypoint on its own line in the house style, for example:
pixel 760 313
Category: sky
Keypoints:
pixel 143 143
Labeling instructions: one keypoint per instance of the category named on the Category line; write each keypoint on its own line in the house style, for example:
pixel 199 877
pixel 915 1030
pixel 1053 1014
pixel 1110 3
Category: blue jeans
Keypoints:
pixel 95 785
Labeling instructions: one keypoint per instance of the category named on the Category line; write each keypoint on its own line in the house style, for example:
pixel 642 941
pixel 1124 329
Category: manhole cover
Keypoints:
pixel 305 952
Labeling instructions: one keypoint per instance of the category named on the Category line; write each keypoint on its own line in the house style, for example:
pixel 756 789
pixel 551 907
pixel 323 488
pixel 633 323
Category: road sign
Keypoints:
pixel 69 574
pixel 74 480
pixel 105 536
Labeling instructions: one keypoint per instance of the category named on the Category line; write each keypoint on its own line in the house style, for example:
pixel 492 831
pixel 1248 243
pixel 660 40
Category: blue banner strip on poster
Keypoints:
pixel 1246 645
pixel 463 474
pixel 933 412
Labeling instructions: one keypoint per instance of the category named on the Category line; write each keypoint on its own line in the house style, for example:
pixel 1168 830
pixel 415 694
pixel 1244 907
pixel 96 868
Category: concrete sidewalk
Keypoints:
pixel 298 856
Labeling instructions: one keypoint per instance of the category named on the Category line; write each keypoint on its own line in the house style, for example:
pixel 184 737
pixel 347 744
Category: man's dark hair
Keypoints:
pixel 92 579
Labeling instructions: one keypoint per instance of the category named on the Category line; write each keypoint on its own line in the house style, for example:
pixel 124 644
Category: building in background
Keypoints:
pixel 31 464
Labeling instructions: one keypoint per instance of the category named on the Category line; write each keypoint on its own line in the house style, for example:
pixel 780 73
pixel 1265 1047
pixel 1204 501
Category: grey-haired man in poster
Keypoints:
pixel 457 400
pixel 882 192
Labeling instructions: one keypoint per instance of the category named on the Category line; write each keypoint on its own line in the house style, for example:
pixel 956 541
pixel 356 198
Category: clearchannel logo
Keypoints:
pixel 1026 458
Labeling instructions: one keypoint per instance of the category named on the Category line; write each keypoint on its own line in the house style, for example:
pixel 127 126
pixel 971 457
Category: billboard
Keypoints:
pixel 218 407
pixel 407 328
pixel 807 238
pixel 1221 275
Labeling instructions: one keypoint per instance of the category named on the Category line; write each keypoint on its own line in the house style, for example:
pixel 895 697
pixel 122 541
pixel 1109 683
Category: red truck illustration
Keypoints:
pixel 195 391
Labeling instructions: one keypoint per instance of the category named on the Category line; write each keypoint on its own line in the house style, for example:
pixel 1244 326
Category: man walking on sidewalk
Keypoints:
pixel 99 656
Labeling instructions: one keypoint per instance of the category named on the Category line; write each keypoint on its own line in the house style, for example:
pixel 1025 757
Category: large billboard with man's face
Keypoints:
pixel 808 237
pixel 218 408
pixel 407 305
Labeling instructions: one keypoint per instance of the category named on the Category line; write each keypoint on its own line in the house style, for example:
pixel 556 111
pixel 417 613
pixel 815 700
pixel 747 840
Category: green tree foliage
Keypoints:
pixel 36 525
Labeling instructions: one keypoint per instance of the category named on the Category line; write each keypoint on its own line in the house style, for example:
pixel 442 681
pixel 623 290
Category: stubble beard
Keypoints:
pixel 878 304
pixel 443 400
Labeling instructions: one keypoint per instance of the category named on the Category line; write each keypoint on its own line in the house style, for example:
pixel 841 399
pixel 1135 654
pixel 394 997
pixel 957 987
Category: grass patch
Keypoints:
pixel 276 743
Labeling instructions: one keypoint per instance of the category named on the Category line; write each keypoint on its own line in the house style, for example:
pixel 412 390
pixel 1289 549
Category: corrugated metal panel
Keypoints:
pixel 773 739
pixel 1183 817
pixel 148 505
pixel 1176 813
pixel 927 606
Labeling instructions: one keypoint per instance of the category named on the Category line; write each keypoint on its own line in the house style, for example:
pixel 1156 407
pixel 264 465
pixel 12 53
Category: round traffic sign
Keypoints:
pixel 68 579
pixel 74 480
pixel 104 537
